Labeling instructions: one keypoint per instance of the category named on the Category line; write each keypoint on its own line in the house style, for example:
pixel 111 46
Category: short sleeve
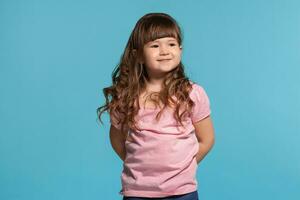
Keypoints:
pixel 114 120
pixel 201 108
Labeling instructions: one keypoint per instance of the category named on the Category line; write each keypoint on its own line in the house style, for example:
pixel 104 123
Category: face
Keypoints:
pixel 161 56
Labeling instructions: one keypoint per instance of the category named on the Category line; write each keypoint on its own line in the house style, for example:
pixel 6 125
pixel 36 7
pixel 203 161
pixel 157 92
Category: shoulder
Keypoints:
pixel 201 108
pixel 197 90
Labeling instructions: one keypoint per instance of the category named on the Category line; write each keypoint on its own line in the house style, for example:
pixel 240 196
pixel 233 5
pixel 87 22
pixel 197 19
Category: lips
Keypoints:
pixel 164 60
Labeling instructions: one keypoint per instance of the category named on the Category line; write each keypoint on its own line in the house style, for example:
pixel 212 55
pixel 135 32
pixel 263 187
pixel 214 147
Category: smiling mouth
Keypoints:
pixel 164 60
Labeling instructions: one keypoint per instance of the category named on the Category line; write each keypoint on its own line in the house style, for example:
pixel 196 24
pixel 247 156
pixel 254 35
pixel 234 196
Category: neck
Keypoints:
pixel 154 84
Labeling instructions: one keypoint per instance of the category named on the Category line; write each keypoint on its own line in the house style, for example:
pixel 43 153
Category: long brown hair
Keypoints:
pixel 129 77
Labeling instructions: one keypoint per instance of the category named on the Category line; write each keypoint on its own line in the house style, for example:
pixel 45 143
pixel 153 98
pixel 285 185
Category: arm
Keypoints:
pixel 205 135
pixel 117 140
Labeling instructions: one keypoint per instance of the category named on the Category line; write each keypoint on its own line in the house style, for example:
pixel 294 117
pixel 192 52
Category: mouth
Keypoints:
pixel 164 60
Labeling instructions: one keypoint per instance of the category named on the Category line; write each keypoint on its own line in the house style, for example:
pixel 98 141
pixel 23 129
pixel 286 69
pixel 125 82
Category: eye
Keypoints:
pixel 154 46
pixel 173 44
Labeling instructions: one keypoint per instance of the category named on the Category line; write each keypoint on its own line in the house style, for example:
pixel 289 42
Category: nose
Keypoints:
pixel 163 50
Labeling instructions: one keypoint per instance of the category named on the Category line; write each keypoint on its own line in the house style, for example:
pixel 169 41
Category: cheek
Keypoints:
pixel 177 53
pixel 178 57
pixel 147 57
pixel 150 55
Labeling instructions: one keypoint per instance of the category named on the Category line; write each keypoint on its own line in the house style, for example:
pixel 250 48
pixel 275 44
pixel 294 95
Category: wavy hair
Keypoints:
pixel 129 77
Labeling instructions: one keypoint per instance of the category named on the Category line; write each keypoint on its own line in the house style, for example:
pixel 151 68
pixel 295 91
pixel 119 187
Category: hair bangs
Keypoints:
pixel 161 29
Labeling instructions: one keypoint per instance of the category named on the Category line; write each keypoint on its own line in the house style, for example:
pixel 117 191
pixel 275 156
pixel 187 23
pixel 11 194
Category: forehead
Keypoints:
pixel 164 39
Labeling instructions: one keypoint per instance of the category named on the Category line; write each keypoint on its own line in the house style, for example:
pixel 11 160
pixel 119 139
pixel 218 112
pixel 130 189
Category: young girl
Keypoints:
pixel 160 120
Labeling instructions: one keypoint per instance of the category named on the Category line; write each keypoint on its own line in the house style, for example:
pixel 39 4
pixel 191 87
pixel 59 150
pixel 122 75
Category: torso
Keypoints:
pixel 146 103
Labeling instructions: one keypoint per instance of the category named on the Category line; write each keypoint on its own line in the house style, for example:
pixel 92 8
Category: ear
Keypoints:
pixel 134 52
pixel 139 58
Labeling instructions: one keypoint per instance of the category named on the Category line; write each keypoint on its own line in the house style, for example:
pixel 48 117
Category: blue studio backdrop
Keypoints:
pixel 57 56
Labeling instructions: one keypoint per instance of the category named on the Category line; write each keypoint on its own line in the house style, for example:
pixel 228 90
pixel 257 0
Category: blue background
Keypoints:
pixel 56 56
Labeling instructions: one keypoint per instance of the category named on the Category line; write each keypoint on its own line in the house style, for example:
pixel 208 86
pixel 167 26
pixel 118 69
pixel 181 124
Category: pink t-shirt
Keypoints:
pixel 160 156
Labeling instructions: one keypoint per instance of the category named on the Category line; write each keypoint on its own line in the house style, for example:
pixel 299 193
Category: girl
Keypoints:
pixel 160 120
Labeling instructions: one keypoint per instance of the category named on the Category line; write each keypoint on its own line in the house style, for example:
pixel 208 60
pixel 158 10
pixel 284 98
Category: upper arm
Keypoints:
pixel 116 134
pixel 117 140
pixel 204 130
pixel 201 108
